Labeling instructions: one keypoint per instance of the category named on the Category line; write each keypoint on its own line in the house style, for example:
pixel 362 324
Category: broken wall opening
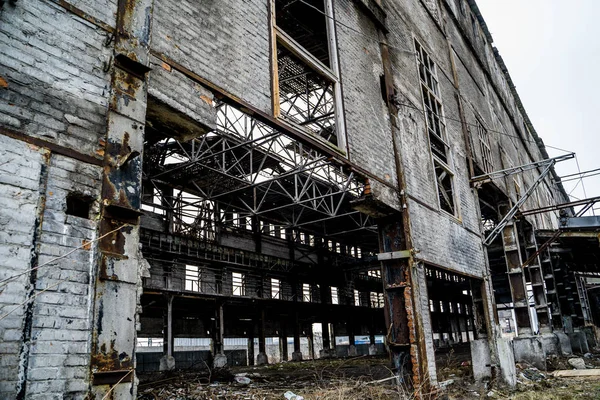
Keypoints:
pixel 457 317
pixel 252 239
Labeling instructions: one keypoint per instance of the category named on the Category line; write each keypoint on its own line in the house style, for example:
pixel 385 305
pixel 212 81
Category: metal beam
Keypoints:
pixel 521 168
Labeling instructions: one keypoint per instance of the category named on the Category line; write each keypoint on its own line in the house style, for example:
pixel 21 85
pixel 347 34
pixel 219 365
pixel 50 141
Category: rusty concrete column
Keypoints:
pixel 406 347
pixel 118 283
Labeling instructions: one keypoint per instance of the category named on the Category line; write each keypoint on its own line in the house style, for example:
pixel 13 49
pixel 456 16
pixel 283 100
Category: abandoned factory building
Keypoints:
pixel 190 183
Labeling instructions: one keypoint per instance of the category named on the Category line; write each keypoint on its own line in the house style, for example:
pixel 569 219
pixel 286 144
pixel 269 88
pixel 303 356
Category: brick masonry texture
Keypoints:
pixel 55 84
pixel 226 42
pixel 52 62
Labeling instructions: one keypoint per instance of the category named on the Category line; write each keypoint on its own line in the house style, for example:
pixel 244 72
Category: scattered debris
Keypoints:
pixel 445 384
pixel 577 373
pixel 577 363
pixel 292 396
pixel 242 380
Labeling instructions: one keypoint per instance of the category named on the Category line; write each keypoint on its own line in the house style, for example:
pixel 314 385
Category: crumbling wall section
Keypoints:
pixel 59 356
pixel 20 173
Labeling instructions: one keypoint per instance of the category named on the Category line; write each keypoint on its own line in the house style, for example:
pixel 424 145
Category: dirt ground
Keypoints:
pixel 357 378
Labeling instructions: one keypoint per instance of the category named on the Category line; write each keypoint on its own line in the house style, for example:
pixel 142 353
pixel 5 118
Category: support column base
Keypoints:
pixel 481 360
pixel 579 342
pixel 372 350
pixel 220 361
pixel 327 353
pixel 551 344
pixel 297 356
pixel 167 363
pixel 564 343
pixel 262 359
pixel 531 350
pixel 506 361
pixel 352 351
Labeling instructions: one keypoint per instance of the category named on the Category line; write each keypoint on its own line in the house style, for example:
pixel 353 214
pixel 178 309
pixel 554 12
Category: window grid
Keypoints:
pixel 275 288
pixel 192 278
pixel 484 146
pixel 238 282
pixel 436 129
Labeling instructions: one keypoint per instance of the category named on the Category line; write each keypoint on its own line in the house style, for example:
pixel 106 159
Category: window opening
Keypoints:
pixel 485 148
pixel 275 288
pixel 307 83
pixel 238 282
pixel 306 293
pixel 436 128
pixel 79 205
pixel 376 300
pixel 334 295
pixel 445 187
pixel 192 278
pixel 356 298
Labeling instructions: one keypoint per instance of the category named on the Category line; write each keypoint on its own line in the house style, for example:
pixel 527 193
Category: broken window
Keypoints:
pixel 192 278
pixel 436 128
pixel 432 104
pixel 487 162
pixel 377 300
pixel 275 288
pixel 356 298
pixel 334 295
pixel 375 273
pixel 238 283
pixel 445 187
pixel 306 78
pixel 306 293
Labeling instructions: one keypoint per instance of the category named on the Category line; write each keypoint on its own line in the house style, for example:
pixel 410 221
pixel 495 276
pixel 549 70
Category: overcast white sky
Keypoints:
pixel 552 51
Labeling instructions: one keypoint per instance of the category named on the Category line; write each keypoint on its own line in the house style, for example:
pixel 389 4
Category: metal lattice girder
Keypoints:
pixel 521 168
pixel 251 169
pixel 513 211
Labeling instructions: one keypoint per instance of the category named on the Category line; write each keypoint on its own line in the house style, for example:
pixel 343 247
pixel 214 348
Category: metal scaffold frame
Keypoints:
pixel 245 169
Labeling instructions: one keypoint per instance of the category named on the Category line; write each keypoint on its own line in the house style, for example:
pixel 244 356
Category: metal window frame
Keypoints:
pixel 241 287
pixel 487 160
pixel 420 56
pixel 332 73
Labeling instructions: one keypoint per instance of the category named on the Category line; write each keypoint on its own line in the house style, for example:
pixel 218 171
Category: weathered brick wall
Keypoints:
pixel 52 62
pixel 56 90
pixel 60 346
pixel 440 238
pixel 226 42
pixel 20 172
pixel 368 127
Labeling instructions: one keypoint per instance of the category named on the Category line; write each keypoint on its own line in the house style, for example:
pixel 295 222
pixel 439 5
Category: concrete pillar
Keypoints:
pixel 327 349
pixel 118 282
pixel 220 360
pixel 311 343
pixel 297 354
pixel 167 361
pixel 251 346
pixel 283 346
pixel 351 340
pixel 262 358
